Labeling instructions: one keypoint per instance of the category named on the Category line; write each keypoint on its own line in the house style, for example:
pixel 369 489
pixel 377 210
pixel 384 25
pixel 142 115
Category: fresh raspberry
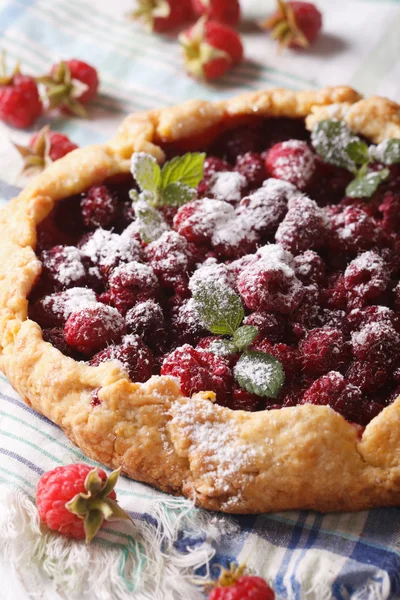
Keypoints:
pixel 63 267
pixel 146 319
pixel 20 103
pixel 53 311
pixel 212 343
pixel 292 161
pixel 243 400
pixel 135 357
pixel 212 165
pixel 91 329
pixel 390 208
pixel 305 226
pixel 172 257
pixel 309 268
pixel 246 587
pixel 199 371
pixel 106 250
pixel 357 318
pixel 71 85
pixel 295 24
pixel 353 230
pixel 56 337
pixel 308 314
pixel 329 183
pixel 210 49
pixel 252 167
pixel 334 295
pixel 131 283
pixel 270 285
pixel 366 278
pixel 332 389
pixel 323 350
pixel 185 324
pixel 239 141
pixel 271 326
pixel 288 357
pixel 368 375
pixel 99 207
pixel 58 487
pixel 45 147
pixel 163 15
pixel 224 11
pixel 376 342
pixel 229 186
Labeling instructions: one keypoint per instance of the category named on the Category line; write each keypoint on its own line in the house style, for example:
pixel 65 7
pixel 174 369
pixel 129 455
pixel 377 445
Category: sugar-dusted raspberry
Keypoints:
pixel 323 350
pixel 271 326
pixel 358 317
pixel 334 295
pixel 171 257
pixel 304 227
pixel 56 337
pixel 368 375
pixel 265 208
pixel 146 319
pixel 186 327
pixel 390 208
pixel 354 230
pixel 99 207
pixel 291 393
pixel 239 141
pixel 215 345
pixel 270 284
pixel 198 220
pixel 131 283
pixel 292 161
pixel 309 268
pixel 330 184
pixel 308 314
pixel 288 357
pixel 366 277
pixel 252 166
pixel 376 342
pixel 333 390
pixel 333 318
pixel 228 186
pixel 134 356
pixel 243 400
pixel 212 165
pixel 91 329
pixel 199 371
pixel 54 310
pixel 63 267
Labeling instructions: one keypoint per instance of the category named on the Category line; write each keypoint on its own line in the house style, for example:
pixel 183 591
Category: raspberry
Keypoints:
pixel 309 268
pixel 353 230
pixel 20 103
pixel 171 257
pixel 146 319
pixel 323 350
pixel 106 250
pixel 174 13
pixel 287 356
pixel 292 161
pixel 135 357
pixel 69 97
pixel 366 277
pixel 265 208
pixel 334 295
pixel 131 283
pixel 243 400
pixel 330 184
pixel 212 165
pixel 58 488
pixel 185 324
pixel 295 24
pixel 60 145
pixel 358 317
pixel 202 44
pixel 214 344
pixel 54 310
pixel 246 587
pixel 99 207
pixel 390 208
pixel 270 325
pixel 376 342
pixel 252 167
pixel 224 11
pixel 239 141
pixel 270 285
pixel 332 389
pixel 228 186
pixel 91 329
pixel 367 375
pixel 198 220
pixel 305 226
pixel 45 147
pixel 199 371
pixel 63 267
pixel 56 337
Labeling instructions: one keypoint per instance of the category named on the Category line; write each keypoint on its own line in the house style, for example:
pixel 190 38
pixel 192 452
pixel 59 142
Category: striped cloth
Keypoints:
pixel 172 546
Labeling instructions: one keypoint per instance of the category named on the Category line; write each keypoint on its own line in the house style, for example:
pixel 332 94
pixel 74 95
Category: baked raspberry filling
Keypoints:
pixel 264 269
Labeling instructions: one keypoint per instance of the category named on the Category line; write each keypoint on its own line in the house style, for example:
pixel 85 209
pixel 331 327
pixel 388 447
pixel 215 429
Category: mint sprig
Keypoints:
pixel 173 184
pixel 337 145
pixel 221 311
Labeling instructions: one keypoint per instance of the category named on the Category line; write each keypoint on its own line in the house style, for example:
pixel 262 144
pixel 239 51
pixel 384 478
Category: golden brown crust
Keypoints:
pixel 301 457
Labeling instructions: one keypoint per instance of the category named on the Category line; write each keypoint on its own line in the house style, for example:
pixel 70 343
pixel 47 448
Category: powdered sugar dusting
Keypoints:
pixel 227 185
pixel 65 303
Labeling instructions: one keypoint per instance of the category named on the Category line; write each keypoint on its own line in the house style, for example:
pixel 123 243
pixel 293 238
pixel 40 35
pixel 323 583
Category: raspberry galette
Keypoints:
pixel 211 301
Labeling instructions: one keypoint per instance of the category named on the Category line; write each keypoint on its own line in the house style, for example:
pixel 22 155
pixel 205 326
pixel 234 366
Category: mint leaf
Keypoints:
pixel 330 139
pixel 358 152
pixel 150 222
pixel 388 152
pixel 244 336
pixel 219 308
pixel 187 169
pixel 259 373
pixel 146 171
pixel 365 185
pixel 176 194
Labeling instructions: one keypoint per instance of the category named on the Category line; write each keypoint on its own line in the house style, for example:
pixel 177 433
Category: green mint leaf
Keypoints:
pixel 134 195
pixel 146 172
pixel 150 222
pixel 388 152
pixel 358 152
pixel 219 308
pixel 365 185
pixel 177 194
pixel 244 336
pixel 186 169
pixel 259 373
pixel 330 139
pixel 222 347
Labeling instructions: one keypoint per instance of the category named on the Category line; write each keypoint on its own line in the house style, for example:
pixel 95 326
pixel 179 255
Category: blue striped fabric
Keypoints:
pixel 304 554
